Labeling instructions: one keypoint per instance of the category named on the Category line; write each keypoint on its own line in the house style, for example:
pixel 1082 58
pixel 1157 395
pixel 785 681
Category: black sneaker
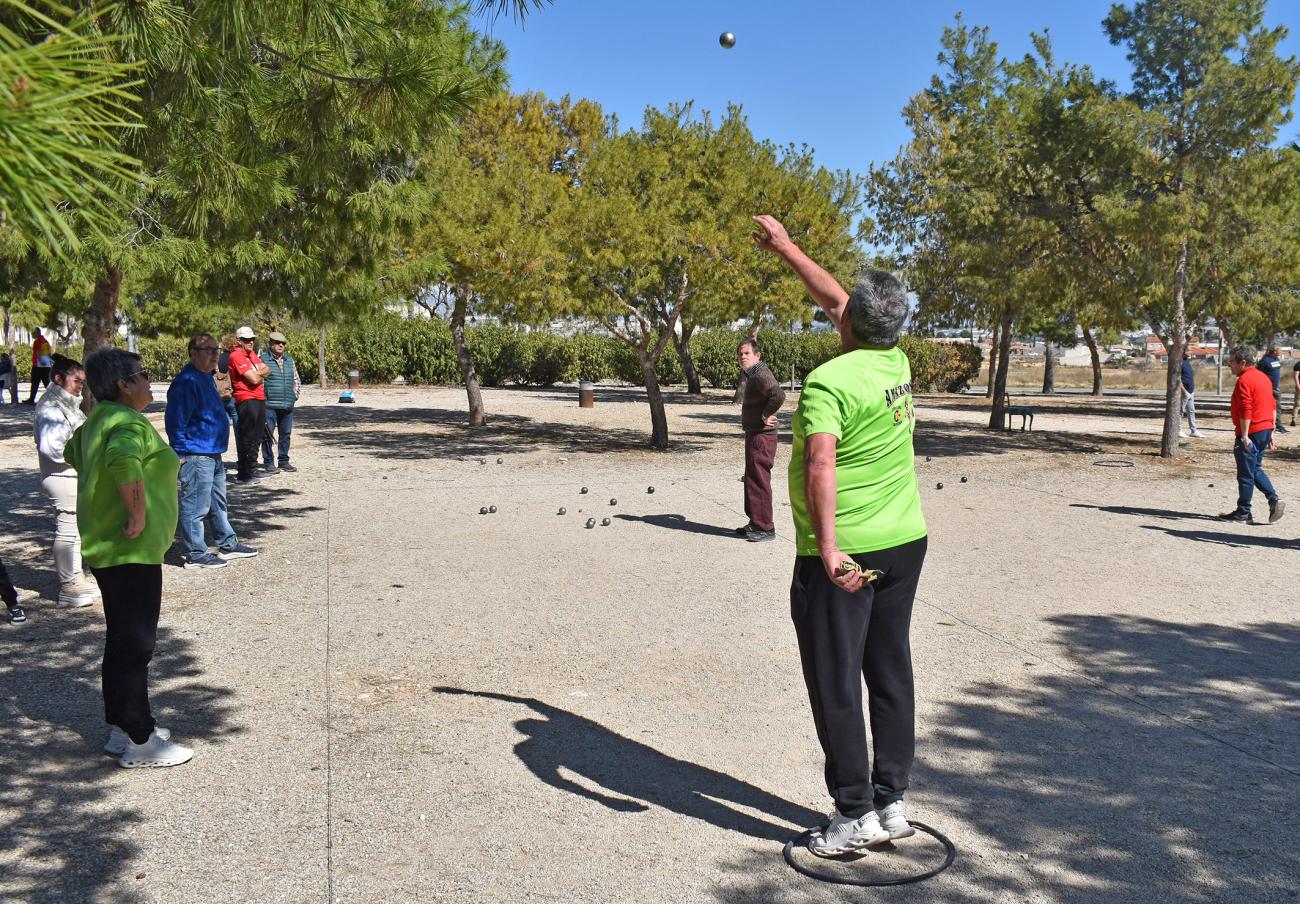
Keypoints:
pixel 1236 515
pixel 1276 510
pixel 754 535
pixel 16 615
pixel 270 469
pixel 285 466
pixel 742 531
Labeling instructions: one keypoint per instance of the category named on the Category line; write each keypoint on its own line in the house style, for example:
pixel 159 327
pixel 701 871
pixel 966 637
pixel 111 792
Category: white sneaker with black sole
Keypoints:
pixel 845 834
pixel 893 819
pixel 118 740
pixel 154 753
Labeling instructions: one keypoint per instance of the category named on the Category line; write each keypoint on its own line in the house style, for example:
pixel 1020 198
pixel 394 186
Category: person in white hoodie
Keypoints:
pixel 58 415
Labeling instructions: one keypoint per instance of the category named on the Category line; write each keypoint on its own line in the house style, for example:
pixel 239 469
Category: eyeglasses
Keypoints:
pixel 139 373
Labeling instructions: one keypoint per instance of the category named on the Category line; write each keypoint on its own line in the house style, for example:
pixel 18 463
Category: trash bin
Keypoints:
pixel 354 379
pixel 586 394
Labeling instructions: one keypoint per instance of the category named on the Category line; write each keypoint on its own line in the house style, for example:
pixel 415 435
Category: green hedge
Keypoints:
pixel 386 345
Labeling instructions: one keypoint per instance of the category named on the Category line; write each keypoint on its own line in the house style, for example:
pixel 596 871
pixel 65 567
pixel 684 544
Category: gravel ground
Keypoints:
pixel 403 700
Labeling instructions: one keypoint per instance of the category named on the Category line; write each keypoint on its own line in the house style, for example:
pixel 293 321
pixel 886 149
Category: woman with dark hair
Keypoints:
pixel 58 415
pixel 126 510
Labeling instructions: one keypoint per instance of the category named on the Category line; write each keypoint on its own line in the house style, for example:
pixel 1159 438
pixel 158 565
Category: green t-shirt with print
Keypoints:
pixel 863 398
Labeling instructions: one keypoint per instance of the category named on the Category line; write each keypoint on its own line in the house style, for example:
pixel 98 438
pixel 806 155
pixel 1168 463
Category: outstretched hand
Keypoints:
pixel 772 236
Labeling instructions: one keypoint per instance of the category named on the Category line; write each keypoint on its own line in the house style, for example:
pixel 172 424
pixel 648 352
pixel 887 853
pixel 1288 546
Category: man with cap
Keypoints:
pixel 246 375
pixel 282 386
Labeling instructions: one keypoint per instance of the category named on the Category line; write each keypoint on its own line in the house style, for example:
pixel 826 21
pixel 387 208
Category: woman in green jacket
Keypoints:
pixel 126 512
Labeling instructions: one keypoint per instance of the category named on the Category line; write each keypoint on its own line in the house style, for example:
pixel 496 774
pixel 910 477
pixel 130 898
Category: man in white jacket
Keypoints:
pixel 58 415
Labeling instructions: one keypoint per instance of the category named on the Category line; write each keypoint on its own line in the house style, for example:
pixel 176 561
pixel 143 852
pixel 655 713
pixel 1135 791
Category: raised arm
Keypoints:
pixel 823 287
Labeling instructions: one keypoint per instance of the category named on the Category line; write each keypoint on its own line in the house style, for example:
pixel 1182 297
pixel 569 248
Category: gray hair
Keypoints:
pixel 104 367
pixel 877 308
pixel 1243 354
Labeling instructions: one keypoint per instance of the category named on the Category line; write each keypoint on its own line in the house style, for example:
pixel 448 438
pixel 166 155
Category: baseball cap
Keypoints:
pixel 245 332
pixel 276 336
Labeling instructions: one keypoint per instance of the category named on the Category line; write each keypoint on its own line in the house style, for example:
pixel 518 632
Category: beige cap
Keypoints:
pixel 245 332
pixel 276 336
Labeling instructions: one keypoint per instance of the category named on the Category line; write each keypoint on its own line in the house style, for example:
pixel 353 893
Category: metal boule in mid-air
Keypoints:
pixel 605 522
pixel 727 40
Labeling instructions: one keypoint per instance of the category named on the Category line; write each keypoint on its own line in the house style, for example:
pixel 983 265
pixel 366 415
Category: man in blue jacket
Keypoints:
pixel 1271 365
pixel 1188 381
pixel 198 431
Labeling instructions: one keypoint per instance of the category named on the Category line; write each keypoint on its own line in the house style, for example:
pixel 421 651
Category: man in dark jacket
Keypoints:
pixel 282 390
pixel 198 432
pixel 763 398
pixel 1271 366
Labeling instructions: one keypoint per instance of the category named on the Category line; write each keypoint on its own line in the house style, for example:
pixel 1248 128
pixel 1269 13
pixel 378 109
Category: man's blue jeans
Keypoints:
pixel 283 419
pixel 203 498
pixel 1250 470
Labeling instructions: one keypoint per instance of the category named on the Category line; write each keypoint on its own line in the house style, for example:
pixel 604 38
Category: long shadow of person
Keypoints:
pixel 563 740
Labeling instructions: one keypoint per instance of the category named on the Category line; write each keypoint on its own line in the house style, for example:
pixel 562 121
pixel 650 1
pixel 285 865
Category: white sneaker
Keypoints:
pixel 893 819
pixel 154 752
pixel 845 834
pixel 77 593
pixel 118 740
pixel 1197 433
pixel 1182 435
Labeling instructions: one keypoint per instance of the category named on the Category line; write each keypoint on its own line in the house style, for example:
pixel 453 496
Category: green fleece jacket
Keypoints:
pixel 117 446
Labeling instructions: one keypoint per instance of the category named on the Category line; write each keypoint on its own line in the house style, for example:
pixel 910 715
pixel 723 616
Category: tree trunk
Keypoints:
pixel 658 415
pixel 100 319
pixel 1049 369
pixel 1096 360
pixel 683 344
pixel 320 358
pixel 477 417
pixel 997 417
pixel 1174 345
pixel 995 342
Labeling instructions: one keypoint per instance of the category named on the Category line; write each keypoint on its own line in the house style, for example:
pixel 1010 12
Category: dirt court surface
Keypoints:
pixel 403 700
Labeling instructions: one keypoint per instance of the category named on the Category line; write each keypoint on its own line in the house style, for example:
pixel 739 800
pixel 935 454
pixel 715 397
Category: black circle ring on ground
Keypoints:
pixel 948 846
pixel 1112 463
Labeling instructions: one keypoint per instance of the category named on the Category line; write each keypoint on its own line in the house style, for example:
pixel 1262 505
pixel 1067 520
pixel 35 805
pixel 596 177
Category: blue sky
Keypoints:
pixel 834 74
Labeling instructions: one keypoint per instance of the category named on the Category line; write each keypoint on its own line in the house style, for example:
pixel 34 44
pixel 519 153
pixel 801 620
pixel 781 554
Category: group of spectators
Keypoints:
pixel 120 492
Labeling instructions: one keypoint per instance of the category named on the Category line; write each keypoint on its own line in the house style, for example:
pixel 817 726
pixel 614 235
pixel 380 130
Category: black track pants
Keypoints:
pixel 132 602
pixel 843 638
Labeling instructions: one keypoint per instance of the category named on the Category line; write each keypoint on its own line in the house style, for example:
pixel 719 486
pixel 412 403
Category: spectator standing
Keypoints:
pixel 1271 366
pixel 763 398
pixel 860 544
pixel 1188 383
pixel 283 387
pixel 1295 395
pixel 58 415
pixel 1254 414
pixel 199 432
pixel 246 375
pixel 41 362
pixel 126 509
pixel 9 375
pixel 222 377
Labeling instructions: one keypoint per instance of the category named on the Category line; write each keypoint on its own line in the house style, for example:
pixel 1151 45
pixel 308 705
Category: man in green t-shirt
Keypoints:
pixel 860 543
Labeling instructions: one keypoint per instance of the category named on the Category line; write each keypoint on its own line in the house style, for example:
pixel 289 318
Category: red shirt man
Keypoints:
pixel 1253 400
pixel 244 361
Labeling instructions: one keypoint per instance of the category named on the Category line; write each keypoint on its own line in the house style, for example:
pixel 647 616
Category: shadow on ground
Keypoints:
pixel 66 832
pixel 1165 768
pixel 681 522
pixel 637 776
pixel 425 433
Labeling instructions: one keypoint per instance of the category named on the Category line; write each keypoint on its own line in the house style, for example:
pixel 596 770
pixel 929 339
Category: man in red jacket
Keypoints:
pixel 1254 416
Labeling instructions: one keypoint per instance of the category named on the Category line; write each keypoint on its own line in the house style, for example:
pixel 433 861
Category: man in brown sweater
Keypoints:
pixel 763 398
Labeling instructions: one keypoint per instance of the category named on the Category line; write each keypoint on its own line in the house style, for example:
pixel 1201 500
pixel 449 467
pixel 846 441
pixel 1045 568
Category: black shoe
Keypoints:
pixel 285 466
pixel 753 535
pixel 1239 517
pixel 1281 429
pixel 16 615
pixel 270 469
pixel 742 531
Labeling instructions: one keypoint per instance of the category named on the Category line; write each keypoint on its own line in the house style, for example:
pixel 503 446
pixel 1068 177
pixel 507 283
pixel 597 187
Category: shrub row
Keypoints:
pixel 385 346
